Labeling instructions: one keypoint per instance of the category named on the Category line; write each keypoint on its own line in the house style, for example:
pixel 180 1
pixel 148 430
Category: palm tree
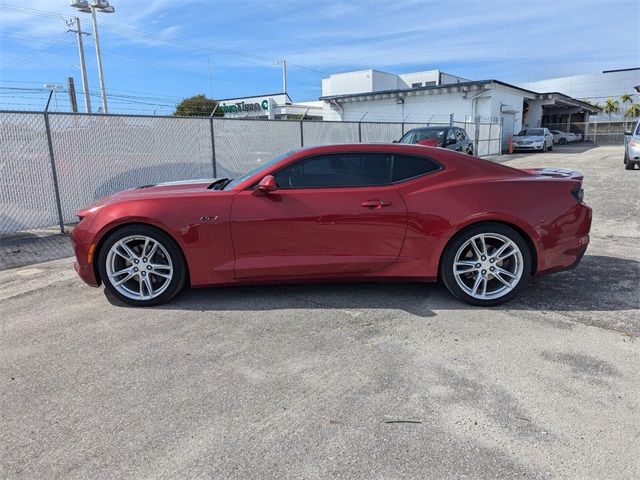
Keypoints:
pixel 626 98
pixel 633 111
pixel 611 106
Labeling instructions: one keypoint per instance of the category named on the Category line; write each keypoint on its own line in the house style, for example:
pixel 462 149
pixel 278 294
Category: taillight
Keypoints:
pixel 578 194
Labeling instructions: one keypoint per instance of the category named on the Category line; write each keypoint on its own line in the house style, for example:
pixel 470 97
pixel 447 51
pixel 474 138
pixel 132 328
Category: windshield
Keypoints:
pixel 532 132
pixel 259 168
pixel 416 136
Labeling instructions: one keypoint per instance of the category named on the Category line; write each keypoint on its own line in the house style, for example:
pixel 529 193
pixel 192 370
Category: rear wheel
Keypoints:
pixel 141 265
pixel 486 264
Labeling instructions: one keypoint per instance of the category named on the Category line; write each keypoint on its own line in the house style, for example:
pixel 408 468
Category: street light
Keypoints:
pixel 53 89
pixel 103 7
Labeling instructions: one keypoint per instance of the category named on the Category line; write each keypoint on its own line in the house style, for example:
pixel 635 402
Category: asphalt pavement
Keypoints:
pixel 367 381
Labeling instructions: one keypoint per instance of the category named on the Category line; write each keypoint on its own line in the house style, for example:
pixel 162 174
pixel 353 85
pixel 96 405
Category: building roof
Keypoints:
pixel 431 87
pixel 570 101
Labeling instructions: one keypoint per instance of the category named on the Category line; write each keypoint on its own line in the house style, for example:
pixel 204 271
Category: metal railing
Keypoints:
pixel 52 164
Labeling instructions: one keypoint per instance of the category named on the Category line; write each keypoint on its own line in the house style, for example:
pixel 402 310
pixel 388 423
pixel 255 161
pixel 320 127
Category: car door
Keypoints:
pixel 334 214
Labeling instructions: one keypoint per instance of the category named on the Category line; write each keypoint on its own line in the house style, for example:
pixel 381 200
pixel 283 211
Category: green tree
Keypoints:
pixel 626 98
pixel 592 103
pixel 611 106
pixel 633 111
pixel 198 106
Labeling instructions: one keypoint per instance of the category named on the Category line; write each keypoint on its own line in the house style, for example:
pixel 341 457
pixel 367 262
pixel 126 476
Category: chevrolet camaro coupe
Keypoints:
pixel 363 212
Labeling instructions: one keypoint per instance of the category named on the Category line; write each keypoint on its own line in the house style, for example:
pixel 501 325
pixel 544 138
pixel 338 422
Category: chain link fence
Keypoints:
pixel 601 133
pixel 52 164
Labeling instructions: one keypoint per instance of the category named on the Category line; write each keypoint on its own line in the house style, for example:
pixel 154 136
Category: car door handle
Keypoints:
pixel 375 203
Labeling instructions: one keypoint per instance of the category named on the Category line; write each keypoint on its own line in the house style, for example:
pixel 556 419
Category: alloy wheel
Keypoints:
pixel 139 267
pixel 488 266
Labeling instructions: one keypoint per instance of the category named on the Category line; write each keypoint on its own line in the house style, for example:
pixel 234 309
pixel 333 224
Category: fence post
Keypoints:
pixel 301 134
pixel 359 132
pixel 477 136
pixel 451 119
pixel 213 149
pixel 54 173
pixel 500 135
pixel 402 134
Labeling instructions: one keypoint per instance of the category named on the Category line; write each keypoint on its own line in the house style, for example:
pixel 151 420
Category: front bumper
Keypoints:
pixel 632 153
pixel 529 147
pixel 84 251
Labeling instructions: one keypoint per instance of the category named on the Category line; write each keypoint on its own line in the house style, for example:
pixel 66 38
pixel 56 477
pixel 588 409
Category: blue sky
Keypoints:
pixel 512 41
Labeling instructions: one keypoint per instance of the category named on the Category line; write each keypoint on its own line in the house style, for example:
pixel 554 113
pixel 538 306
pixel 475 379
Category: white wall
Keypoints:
pixel 504 99
pixel 347 83
pixel 424 108
pixel 594 87
pixel 420 77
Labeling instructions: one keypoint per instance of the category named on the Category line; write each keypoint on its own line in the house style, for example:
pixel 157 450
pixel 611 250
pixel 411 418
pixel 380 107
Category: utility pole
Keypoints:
pixel 83 68
pixel 72 95
pixel 284 76
pixel 96 40
pixel 104 7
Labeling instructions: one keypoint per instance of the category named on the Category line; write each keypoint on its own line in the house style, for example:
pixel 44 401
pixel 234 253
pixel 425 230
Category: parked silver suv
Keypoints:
pixel 632 148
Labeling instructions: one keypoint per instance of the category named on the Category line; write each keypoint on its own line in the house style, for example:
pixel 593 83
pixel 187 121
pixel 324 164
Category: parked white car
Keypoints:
pixel 539 139
pixel 562 138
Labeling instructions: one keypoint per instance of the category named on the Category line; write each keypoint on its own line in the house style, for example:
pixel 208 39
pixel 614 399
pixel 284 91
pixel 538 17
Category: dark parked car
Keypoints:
pixel 453 138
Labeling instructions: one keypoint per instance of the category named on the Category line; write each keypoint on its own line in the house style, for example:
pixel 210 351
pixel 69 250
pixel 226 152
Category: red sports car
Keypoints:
pixel 341 212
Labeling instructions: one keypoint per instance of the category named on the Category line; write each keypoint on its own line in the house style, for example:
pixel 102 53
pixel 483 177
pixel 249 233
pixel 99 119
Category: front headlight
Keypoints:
pixel 634 143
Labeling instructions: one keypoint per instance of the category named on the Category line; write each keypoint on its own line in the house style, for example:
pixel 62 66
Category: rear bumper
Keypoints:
pixel 565 250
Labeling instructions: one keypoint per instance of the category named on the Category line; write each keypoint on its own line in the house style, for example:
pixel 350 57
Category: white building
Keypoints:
pixel 595 87
pixel 272 106
pixel 437 97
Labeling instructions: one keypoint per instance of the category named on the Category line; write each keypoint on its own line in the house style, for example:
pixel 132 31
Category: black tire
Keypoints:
pixel 551 147
pixel 178 280
pixel 448 257
pixel 562 141
pixel 628 165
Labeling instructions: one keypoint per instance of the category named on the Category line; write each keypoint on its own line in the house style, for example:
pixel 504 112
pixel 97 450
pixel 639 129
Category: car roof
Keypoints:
pixel 434 127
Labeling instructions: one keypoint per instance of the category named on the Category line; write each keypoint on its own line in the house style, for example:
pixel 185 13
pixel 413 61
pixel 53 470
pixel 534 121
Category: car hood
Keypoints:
pixel 150 191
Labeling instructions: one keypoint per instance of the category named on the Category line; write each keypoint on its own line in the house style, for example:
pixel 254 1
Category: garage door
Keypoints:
pixel 508 120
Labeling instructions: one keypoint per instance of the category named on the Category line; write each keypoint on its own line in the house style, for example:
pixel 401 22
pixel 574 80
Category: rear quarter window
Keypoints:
pixel 407 166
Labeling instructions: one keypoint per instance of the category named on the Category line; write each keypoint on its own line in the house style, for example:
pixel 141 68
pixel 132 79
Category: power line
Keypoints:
pixel 163 38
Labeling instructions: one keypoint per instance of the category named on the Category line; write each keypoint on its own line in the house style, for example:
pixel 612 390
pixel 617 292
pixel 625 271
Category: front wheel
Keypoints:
pixel 141 265
pixel 486 264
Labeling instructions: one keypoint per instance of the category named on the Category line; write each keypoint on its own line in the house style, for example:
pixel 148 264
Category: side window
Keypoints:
pixel 406 167
pixel 337 170
pixel 451 135
pixel 408 137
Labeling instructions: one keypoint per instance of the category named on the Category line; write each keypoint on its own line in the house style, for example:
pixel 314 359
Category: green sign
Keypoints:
pixel 241 107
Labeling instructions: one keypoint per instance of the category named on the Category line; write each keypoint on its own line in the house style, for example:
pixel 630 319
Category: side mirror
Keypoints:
pixel 266 185
pixel 627 132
